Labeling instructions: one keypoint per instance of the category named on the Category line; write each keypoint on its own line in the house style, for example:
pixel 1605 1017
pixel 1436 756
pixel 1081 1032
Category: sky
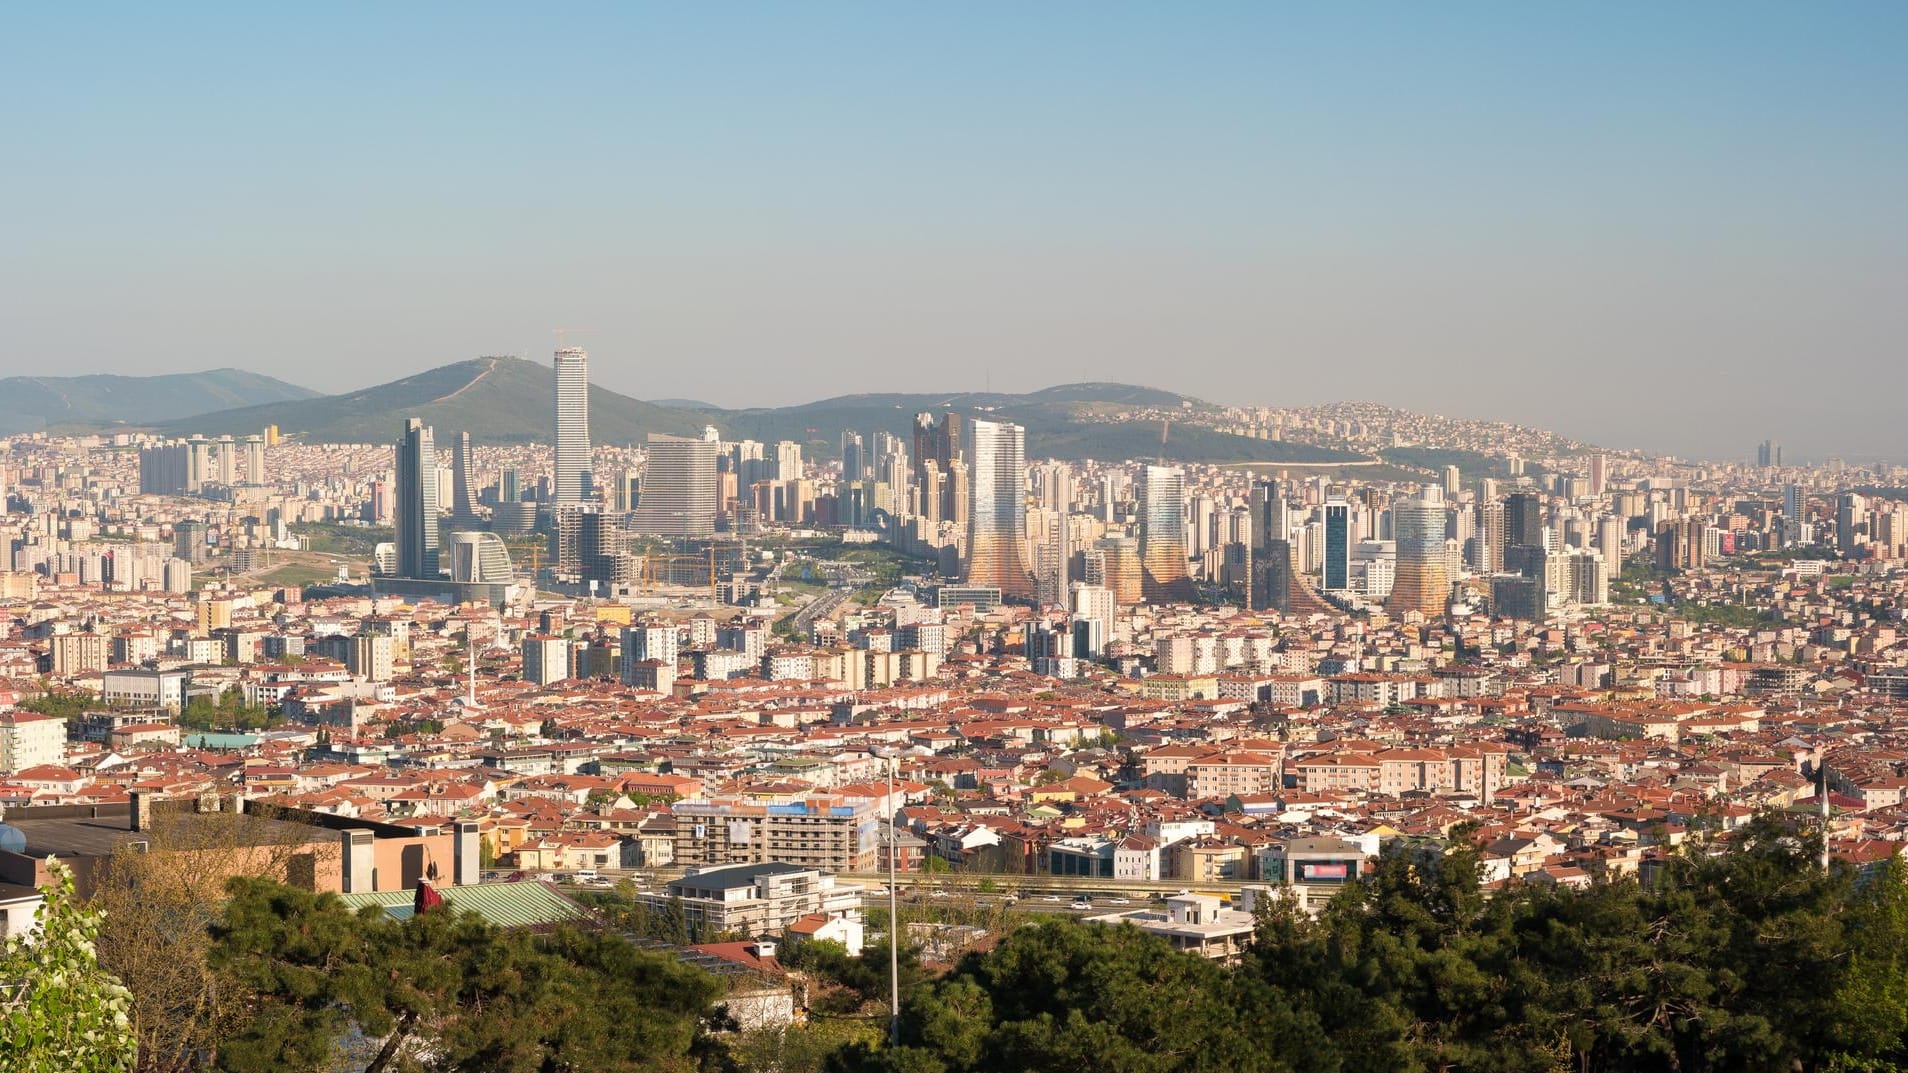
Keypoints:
pixel 1679 227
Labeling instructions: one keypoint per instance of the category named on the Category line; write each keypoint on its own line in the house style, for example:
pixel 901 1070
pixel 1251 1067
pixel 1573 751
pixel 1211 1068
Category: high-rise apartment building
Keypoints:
pixel 1488 542
pixel 1162 533
pixel 679 488
pixel 997 516
pixel 572 370
pixel 417 509
pixel 788 461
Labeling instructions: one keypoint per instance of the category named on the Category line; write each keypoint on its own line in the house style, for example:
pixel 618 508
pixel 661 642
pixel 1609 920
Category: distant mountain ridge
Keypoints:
pixel 495 399
pixel 508 400
pixel 102 401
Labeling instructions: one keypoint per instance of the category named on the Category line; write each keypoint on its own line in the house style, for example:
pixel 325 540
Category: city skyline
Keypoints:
pixel 1686 214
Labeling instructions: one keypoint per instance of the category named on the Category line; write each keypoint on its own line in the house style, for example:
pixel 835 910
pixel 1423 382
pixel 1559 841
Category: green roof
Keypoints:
pixel 522 904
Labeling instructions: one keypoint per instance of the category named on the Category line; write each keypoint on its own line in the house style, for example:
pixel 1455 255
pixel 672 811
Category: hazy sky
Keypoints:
pixel 1677 226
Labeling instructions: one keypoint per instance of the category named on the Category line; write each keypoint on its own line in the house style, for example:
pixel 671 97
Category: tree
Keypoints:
pixel 1070 996
pixel 447 990
pixel 159 903
pixel 60 1012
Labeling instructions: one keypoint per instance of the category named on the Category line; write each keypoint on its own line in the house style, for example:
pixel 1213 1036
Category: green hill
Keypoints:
pixel 507 400
pixel 497 400
pixel 34 403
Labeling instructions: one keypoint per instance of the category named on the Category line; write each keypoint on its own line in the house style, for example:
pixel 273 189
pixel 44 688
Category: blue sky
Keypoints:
pixel 1671 226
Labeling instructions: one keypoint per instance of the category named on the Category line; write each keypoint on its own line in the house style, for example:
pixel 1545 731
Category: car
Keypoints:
pixel 1050 898
pixel 1081 903
pixel 874 892
pixel 938 894
pixel 1119 901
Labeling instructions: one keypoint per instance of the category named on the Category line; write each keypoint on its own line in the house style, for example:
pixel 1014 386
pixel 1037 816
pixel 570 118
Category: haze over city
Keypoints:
pixel 1671 228
pixel 851 538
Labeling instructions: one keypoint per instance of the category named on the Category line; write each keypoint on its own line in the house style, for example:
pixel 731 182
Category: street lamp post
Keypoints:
pixel 894 920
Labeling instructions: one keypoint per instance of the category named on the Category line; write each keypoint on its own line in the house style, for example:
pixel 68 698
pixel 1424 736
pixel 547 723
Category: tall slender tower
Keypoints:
pixel 997 518
pixel 416 502
pixel 572 425
pixel 463 482
pixel 1337 546
pixel 1162 533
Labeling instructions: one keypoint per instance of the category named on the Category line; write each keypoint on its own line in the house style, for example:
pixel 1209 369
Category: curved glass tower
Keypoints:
pixel 1422 583
pixel 997 522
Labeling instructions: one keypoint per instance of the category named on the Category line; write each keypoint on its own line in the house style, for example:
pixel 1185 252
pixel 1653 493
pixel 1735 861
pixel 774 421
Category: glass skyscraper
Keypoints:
pixel 997 520
pixel 572 425
pixel 416 513
pixel 1421 583
pixel 1162 533
pixel 679 488
pixel 1337 545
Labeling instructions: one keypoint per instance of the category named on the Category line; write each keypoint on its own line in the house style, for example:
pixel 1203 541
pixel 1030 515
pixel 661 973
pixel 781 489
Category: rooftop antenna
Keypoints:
pixel 560 333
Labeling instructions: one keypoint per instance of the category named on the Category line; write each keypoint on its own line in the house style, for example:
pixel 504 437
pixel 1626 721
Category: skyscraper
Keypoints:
pixel 679 488
pixel 1792 511
pixel 416 513
pixel 1268 512
pixel 1162 533
pixel 1337 545
pixel 997 516
pixel 572 425
pixel 1420 582
pixel 1489 541
pixel 463 482
pixel 1523 520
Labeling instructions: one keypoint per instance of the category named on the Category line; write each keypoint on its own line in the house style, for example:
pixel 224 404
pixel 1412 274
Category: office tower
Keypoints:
pixel 1337 545
pixel 679 488
pixel 1268 512
pixel 997 511
pixel 1792 508
pixel 1599 474
pixel 1419 582
pixel 1453 481
pixel 416 508
pixel 508 490
pixel 1514 596
pixel 1523 520
pixel 854 458
pixel 572 425
pixel 1270 584
pixel 1487 544
pixel 943 441
pixel 606 565
pixel 1162 534
pixel 1769 454
pixel 479 558
pixel 788 461
pixel 463 482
